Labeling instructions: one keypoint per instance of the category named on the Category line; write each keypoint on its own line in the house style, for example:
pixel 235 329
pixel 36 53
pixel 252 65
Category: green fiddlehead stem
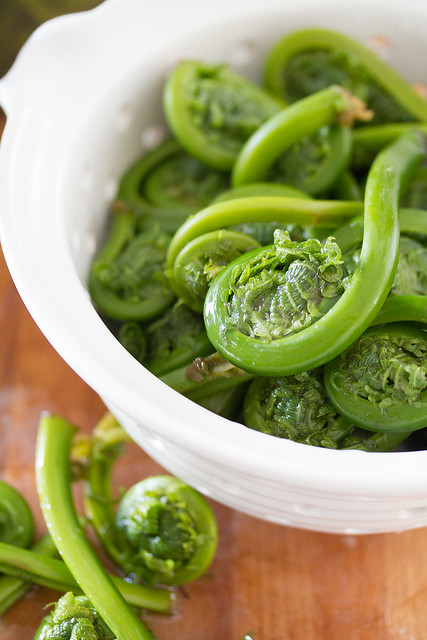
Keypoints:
pixel 166 185
pixel 318 214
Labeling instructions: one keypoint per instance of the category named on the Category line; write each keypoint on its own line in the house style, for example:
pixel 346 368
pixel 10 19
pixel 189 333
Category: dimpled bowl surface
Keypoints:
pixel 83 100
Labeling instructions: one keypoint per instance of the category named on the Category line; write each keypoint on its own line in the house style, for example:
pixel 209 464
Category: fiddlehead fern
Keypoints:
pixel 166 185
pixel 295 407
pixel 380 382
pixel 126 279
pixel 309 60
pixel 170 529
pixel 346 320
pixel 163 532
pixel 212 111
pixel 200 261
pixel 283 148
pixel 54 487
pixel 285 289
pixel 168 342
pixel 73 618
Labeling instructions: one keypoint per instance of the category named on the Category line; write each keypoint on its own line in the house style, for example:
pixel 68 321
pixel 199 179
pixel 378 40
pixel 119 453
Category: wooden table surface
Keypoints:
pixel 277 583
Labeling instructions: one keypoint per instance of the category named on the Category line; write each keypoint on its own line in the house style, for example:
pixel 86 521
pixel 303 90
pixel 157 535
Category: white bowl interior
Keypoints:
pixel 76 120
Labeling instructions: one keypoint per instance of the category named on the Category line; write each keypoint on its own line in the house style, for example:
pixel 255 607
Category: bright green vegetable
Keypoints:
pixel 309 60
pixel 73 618
pixel 380 382
pixel 16 519
pixel 411 273
pixel 126 280
pixel 16 528
pixel 200 261
pixel 295 407
pixel 279 135
pixel 212 111
pixel 170 528
pixel 305 212
pixel 54 487
pixel 163 532
pixel 166 185
pixel 168 342
pixel 334 331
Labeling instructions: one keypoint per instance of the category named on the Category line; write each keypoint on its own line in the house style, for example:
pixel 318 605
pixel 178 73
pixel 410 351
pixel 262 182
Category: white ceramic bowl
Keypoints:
pixel 83 100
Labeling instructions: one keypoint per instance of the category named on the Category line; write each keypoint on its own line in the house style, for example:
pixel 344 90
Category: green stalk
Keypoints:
pixel 13 588
pixel 306 212
pixel 54 488
pixel 54 574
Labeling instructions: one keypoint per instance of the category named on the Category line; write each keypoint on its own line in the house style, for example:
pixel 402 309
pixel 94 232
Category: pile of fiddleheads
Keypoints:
pixel 296 210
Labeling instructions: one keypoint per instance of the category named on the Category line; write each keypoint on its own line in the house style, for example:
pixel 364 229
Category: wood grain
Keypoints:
pixel 278 583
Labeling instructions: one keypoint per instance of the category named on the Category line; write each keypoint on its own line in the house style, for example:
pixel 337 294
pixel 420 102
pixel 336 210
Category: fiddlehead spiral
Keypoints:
pixel 380 382
pixel 295 407
pixel 285 289
pixel 346 320
pixel 166 185
pixel 127 280
pixel 170 528
pixel 212 111
pixel 309 60
pixel 307 144
pixel 200 261
pixel 163 532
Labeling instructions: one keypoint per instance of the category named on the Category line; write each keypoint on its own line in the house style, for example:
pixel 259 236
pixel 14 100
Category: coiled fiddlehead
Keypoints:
pixel 168 342
pixel 380 382
pixel 170 529
pixel 200 261
pixel 273 151
pixel 295 407
pixel 73 618
pixel 347 319
pixel 286 289
pixel 163 532
pixel 166 185
pixel 212 111
pixel 309 60
pixel 127 280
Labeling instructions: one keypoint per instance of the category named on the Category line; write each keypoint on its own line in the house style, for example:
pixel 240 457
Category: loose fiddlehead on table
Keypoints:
pixel 163 532
pixel 380 382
